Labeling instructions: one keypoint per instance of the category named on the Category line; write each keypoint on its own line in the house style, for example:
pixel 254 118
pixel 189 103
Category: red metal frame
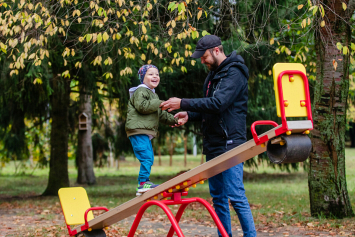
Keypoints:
pixel 284 127
pixel 176 199
pixel 265 138
pixel 86 225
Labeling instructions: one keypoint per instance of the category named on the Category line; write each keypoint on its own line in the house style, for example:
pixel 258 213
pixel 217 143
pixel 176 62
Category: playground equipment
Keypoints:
pixel 285 143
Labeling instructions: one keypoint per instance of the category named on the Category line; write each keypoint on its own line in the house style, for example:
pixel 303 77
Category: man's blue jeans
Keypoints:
pixel 229 185
pixel 143 150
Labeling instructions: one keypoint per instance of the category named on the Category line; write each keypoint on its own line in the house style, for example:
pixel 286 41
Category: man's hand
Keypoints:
pixel 171 104
pixel 183 118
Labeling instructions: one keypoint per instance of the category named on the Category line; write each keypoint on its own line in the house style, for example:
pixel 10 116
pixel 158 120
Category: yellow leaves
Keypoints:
pixel 345 50
pixel 144 29
pixel 322 10
pixel 309 21
pixel 97 60
pixel 170 32
pixel 66 74
pixel 32 56
pixel 194 34
pixel 13 42
pixel 143 57
pixel 300 7
pixel 3 47
pixel 344 5
pixel 314 8
pixel 88 37
pixel 335 64
pixel 13 72
pixel 78 65
pixel 199 14
pixel 105 36
pixel 183 69
pixel 107 75
pixel 37 81
pixel 205 33
pixel 270 72
pixel 277 51
pixel 272 41
pixel 149 61
pixel 108 61
pixel 304 23
pixel 76 12
pixel 66 52
pixel 126 71
pixel 193 62
pixel 322 24
pixel 134 40
pixel 173 24
pixel 156 51
pixel 339 46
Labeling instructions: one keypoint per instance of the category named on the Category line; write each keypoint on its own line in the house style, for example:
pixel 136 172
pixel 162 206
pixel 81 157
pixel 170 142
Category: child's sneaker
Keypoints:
pixel 146 186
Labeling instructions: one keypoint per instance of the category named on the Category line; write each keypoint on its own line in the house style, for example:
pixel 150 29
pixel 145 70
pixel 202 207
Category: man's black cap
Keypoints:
pixel 206 42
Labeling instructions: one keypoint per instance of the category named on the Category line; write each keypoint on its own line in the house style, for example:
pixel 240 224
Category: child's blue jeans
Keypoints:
pixel 229 185
pixel 143 150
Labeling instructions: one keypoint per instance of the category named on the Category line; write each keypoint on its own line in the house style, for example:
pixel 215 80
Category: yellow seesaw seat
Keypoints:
pixel 293 90
pixel 74 203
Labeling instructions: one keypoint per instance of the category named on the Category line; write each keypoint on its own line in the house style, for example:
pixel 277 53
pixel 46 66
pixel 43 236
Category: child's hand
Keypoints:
pixel 183 118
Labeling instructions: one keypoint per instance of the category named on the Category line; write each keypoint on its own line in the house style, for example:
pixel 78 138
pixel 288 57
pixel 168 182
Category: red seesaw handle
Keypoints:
pixel 253 132
pixel 91 209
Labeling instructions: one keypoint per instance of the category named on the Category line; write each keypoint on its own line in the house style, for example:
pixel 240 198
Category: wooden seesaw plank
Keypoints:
pixel 209 169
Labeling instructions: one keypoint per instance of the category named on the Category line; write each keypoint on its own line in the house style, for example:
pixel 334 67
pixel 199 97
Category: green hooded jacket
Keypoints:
pixel 144 114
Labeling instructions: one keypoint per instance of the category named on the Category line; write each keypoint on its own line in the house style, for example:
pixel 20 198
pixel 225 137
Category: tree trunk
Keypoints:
pixel 85 159
pixel 159 155
pixel 58 165
pixel 185 151
pixel 327 182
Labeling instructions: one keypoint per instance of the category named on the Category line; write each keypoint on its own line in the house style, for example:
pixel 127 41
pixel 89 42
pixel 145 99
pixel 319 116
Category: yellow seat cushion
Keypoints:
pixel 74 203
pixel 293 92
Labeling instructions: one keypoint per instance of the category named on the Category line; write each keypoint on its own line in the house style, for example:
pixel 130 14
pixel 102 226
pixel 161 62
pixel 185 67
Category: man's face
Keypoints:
pixel 210 60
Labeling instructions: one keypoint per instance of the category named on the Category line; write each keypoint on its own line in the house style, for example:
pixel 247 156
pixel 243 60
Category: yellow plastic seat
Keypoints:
pixel 293 90
pixel 74 203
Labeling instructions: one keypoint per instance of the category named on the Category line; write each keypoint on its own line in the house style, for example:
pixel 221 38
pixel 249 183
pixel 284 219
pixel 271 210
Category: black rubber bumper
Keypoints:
pixel 296 148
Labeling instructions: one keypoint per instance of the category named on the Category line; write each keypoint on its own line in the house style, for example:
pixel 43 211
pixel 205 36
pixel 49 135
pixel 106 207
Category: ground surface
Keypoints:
pixel 279 202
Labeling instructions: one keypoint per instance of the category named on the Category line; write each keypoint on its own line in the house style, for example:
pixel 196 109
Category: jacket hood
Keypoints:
pixel 235 59
pixel 133 89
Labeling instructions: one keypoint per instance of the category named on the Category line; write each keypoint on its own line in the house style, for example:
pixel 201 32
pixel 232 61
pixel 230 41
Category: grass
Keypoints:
pixel 277 198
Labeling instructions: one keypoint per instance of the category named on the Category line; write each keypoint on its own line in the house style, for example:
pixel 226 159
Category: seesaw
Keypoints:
pixel 285 143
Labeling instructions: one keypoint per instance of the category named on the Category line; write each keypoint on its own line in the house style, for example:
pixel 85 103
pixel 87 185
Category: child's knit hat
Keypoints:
pixel 143 70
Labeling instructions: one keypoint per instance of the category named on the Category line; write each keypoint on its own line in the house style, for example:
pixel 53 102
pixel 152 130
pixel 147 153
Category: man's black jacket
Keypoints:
pixel 223 109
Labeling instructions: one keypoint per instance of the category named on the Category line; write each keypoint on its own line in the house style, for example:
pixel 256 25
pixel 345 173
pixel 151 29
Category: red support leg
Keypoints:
pixel 177 217
pixel 167 211
pixel 214 216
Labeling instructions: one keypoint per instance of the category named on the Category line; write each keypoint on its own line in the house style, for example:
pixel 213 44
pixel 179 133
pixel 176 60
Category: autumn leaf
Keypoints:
pixel 199 14
pixel 300 7
pixel 344 5
pixel 335 64
pixel 272 41
pixel 322 24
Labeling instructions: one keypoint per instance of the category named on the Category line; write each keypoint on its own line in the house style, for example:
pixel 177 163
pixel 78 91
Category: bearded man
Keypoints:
pixel 223 111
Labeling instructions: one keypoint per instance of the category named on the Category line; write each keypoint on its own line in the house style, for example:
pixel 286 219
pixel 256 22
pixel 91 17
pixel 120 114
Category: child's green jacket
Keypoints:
pixel 144 114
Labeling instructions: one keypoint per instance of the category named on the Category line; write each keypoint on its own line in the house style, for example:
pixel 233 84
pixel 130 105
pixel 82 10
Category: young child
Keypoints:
pixel 143 117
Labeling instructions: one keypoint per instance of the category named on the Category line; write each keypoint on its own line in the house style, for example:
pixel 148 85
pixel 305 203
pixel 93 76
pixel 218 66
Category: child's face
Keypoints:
pixel 151 78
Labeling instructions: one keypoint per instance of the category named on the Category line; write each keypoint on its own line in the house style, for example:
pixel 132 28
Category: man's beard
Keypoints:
pixel 213 66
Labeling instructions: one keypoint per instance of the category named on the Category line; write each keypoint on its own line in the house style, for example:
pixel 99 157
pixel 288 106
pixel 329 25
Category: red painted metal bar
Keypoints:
pixel 167 211
pixel 281 98
pixel 265 138
pixel 177 217
pixel 86 225
pixel 71 233
pixel 214 216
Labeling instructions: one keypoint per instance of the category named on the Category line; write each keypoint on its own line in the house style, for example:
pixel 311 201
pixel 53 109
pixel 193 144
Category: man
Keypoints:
pixel 223 113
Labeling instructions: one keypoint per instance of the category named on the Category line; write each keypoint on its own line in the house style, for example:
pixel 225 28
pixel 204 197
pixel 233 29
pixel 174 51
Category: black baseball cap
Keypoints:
pixel 206 42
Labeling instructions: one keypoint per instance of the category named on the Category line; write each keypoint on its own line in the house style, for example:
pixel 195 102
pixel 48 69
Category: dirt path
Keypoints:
pixel 35 221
